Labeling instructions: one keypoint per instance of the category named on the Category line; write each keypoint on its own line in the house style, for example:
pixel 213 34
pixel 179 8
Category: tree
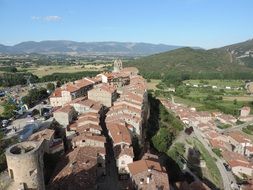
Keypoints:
pixel 50 86
pixel 163 139
pixel 8 110
pixel 58 84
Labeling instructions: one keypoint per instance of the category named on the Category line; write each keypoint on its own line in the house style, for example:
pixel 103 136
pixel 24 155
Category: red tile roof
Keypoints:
pixel 119 133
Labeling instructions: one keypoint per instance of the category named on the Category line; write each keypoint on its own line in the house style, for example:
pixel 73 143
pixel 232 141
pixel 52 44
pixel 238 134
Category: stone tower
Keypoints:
pixel 25 165
pixel 117 65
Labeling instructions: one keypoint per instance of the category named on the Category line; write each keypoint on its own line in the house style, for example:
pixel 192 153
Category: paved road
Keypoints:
pixel 227 176
pixel 22 121
pixel 238 127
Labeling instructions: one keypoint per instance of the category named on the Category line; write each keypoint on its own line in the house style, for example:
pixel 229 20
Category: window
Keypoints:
pixel 11 174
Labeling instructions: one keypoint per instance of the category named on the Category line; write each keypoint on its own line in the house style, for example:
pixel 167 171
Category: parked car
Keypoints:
pixel 227 166
pixel 5 122
pixel 28 130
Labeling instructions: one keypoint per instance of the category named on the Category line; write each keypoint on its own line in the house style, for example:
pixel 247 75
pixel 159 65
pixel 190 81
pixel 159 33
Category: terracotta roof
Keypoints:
pixel 65 109
pixel 56 93
pixel 93 137
pixel 83 128
pixel 212 134
pixel 239 137
pixel 236 163
pixel 216 143
pixel 46 134
pixel 87 118
pixel 228 156
pixel 121 151
pixel 104 87
pixel 144 165
pixel 77 168
pixel 119 133
pixel 142 170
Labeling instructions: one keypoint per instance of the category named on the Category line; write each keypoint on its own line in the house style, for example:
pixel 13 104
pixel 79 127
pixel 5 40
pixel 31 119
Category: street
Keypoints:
pixel 227 176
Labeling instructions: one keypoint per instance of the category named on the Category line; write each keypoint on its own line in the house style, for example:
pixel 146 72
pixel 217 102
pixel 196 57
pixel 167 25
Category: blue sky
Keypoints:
pixel 204 23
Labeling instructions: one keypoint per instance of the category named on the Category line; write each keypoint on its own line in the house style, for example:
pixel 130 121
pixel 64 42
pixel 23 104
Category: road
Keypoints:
pixel 22 121
pixel 227 176
pixel 238 127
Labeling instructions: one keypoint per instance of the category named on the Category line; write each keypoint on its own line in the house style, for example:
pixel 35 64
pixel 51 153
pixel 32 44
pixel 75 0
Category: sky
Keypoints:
pixel 202 23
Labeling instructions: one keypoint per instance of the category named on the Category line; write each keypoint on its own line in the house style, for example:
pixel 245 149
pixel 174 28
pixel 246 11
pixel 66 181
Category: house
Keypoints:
pixel 121 139
pixel 86 119
pixel 81 168
pixel 70 91
pixel 89 128
pixel 226 119
pixel 65 115
pixel 239 164
pixel 239 141
pixel 88 139
pixel 104 93
pixel 119 134
pixel 241 168
pixel 124 155
pixel 215 143
pixel 84 105
pixel 245 111
pixel 148 175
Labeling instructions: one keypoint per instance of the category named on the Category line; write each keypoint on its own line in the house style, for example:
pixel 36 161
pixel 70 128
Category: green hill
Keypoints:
pixel 196 62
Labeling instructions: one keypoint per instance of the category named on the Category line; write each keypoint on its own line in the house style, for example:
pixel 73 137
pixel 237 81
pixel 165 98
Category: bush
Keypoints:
pixel 217 152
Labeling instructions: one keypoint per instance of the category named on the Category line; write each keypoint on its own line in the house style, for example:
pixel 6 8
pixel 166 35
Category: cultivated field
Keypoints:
pixel 47 70
pixel 238 98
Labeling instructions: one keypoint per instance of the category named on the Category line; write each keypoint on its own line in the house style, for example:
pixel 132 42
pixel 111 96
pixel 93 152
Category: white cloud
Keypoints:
pixel 36 17
pixel 52 18
pixel 47 18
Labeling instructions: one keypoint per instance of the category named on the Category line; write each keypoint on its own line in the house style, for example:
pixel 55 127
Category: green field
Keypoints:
pixel 47 70
pixel 218 83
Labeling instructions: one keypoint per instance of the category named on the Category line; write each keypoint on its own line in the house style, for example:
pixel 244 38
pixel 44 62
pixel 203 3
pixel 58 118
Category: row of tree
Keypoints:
pixel 22 78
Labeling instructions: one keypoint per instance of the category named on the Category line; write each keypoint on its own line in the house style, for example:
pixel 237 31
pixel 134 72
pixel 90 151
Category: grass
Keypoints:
pixel 210 163
pixel 248 130
pixel 152 84
pixel 187 102
pixel 224 126
pixel 217 152
pixel 47 70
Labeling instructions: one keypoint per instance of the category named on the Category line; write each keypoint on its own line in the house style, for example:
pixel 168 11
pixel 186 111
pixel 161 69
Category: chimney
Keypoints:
pixel 148 179
pixel 141 181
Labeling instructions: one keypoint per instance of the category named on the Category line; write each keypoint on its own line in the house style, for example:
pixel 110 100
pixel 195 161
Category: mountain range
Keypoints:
pixel 86 48
pixel 229 59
